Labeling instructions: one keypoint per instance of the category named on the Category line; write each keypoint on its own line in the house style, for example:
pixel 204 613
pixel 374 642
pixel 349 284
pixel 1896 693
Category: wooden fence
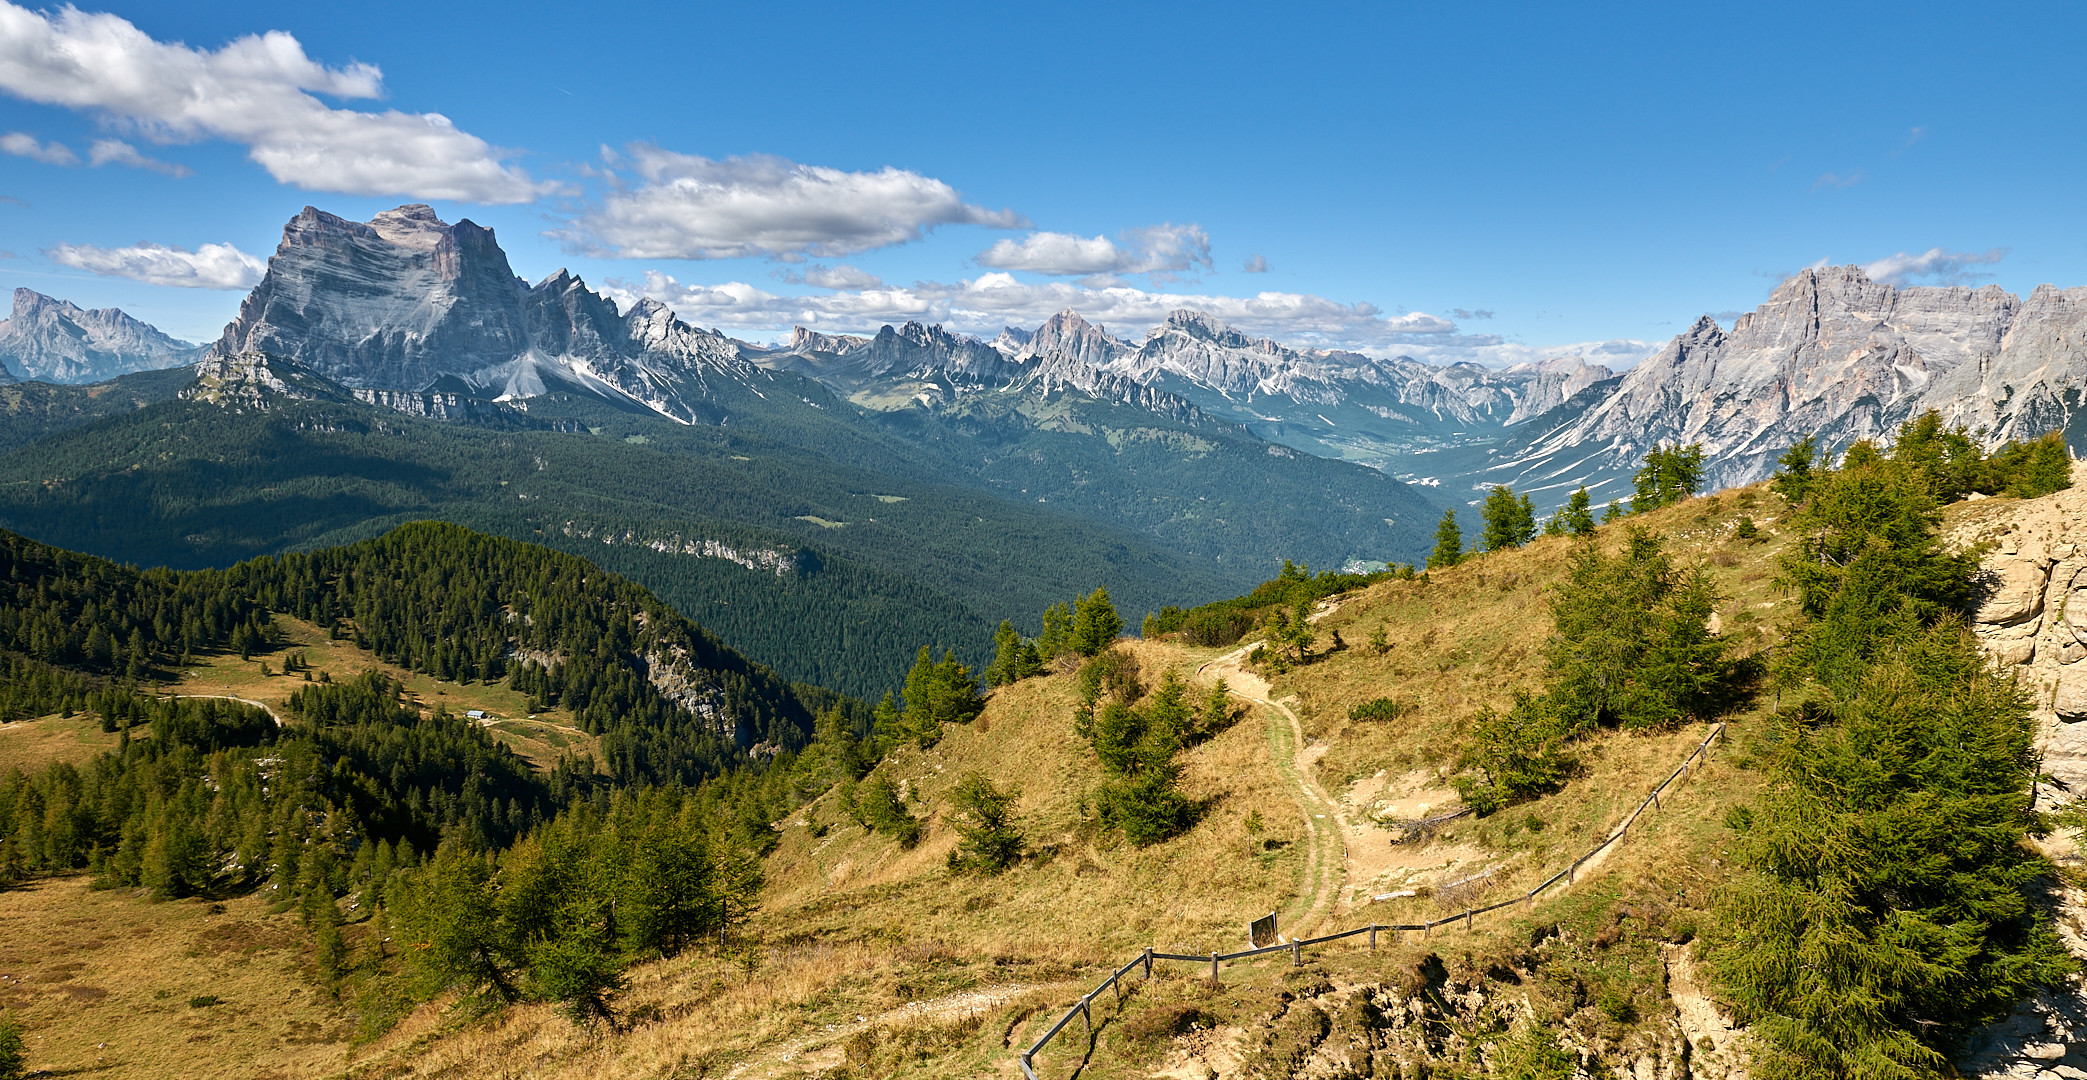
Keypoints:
pixel 1083 1008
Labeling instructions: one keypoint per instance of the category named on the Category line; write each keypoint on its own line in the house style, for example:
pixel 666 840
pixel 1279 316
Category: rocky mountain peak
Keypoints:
pixel 53 340
pixel 406 304
pixel 414 225
pixel 29 302
pixel 1069 337
pixel 811 341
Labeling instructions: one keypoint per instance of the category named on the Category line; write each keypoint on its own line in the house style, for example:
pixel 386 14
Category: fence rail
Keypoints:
pixel 1083 1008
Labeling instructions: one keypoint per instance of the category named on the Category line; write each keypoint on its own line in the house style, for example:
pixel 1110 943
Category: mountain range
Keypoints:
pixel 52 341
pixel 396 369
pixel 1831 355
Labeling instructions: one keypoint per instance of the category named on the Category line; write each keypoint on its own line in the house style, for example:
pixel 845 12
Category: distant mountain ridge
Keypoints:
pixel 1831 354
pixel 1192 368
pixel 52 340
pixel 1835 356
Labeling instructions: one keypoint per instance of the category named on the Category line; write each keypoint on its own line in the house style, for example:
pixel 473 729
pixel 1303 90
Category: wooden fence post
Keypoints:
pixel 1085 1017
pixel 1467 920
pixel 1373 937
pixel 1213 967
pixel 1118 984
pixel 1296 954
pixel 1529 902
pixel 1148 963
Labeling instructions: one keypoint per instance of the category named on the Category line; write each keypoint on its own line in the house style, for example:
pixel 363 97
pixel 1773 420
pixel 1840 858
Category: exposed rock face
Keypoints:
pixel 2031 618
pixel 1838 357
pixel 53 341
pixel 258 381
pixel 407 303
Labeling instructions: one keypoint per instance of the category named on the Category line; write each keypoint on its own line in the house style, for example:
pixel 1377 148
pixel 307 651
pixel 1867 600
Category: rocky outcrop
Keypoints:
pixel 2031 619
pixel 257 381
pixel 1434 1022
pixel 406 303
pixel 51 340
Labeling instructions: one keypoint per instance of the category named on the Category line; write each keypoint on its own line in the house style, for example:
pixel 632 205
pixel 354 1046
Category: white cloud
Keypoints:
pixel 1255 264
pixel 118 152
pixel 689 207
pixel 256 91
pixel 834 277
pixel 50 153
pixel 1617 354
pixel 212 266
pixel 984 304
pixel 1165 249
pixel 1933 265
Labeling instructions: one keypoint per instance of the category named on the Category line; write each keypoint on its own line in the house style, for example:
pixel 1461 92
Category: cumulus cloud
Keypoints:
pixel 1616 354
pixel 985 304
pixel 1166 249
pixel 1255 264
pixel 683 206
pixel 1934 266
pixel 50 153
pixel 256 91
pixel 118 152
pixel 833 277
pixel 212 266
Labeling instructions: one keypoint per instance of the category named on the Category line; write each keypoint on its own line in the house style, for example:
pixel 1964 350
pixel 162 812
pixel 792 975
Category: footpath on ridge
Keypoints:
pixel 1325 826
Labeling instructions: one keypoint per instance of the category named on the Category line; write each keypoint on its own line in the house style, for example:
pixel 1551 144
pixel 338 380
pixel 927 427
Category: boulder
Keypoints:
pixel 2071 701
pixel 2014 591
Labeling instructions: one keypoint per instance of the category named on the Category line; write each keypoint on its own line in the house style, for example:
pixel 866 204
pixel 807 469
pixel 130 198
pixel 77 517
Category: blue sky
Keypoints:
pixel 1493 183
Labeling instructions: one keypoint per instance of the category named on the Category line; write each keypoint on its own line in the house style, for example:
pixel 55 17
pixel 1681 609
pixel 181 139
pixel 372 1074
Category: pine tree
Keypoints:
pixel 1449 542
pixel 1014 658
pixel 1794 478
pixel 333 949
pixel 990 841
pixel 1510 522
pixel 937 693
pixel 12 1062
pixel 1057 632
pixel 1095 624
pixel 1670 475
pixel 1575 518
pixel 1631 646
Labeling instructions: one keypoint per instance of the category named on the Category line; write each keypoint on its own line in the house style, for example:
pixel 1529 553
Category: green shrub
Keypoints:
pixel 1382 708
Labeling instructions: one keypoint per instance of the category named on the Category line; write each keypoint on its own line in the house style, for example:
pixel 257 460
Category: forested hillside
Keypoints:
pixel 831 574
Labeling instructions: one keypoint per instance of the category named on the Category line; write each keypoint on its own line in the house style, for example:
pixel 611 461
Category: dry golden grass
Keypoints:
pixel 102 984
pixel 797 1008
pixel 29 745
pixel 1088 896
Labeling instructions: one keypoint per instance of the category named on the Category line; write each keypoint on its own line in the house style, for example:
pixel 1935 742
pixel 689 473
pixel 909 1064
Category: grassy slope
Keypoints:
pixel 102 984
pixel 873 958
